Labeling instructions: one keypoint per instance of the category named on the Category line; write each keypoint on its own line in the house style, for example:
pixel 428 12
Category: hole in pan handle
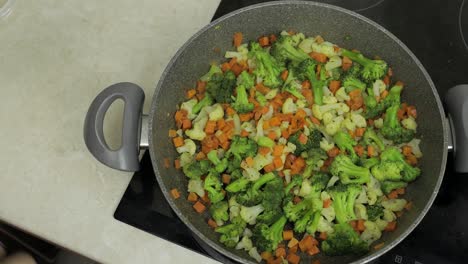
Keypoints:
pixel 457 106
pixel 125 158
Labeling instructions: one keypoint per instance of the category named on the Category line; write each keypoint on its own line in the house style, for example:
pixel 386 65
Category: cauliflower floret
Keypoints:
pixel 185 158
pixel 216 112
pixel 362 197
pixel 349 124
pixel 196 186
pixel 326 145
pixel 328 117
pixel 360 211
pixel 378 123
pixel 378 87
pixel 249 214
pixel 234 208
pixel 301 103
pixel 241 54
pixel 329 213
pixel 341 95
pixel 358 119
pixel 332 181
pixel 249 127
pixel 371 233
pixel 254 254
pixel 381 224
pixel 333 62
pixel 329 99
pixel 334 126
pixel 188 106
pixel 324 226
pixel 388 215
pixel 197 132
pixel 251 174
pixel 319 110
pixel 306 45
pixel 394 205
pixel 245 243
pixel 373 191
pixel 289 107
pixel 414 144
pixel 189 146
pixel 409 123
pixel 271 94
pixel 326 48
pixel 261 161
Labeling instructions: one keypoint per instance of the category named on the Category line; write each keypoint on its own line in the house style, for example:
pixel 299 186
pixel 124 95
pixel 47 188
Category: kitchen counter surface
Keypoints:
pixel 55 56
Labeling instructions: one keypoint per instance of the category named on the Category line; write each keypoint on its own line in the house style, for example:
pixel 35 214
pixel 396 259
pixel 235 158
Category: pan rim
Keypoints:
pixel 235 257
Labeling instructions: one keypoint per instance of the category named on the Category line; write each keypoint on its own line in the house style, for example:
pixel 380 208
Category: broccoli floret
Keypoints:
pixel 372 69
pixel 195 169
pixel 306 71
pixel 374 212
pixel 294 211
pixel 267 238
pixel 352 82
pixel 206 101
pixel 242 104
pixel 213 186
pixel 246 80
pixel 219 211
pixel 409 173
pixel 336 73
pixel 253 195
pixel 370 136
pixel 392 128
pixel 343 241
pixel 311 141
pixel 345 142
pixel 315 160
pixel 220 165
pixel 242 147
pixel 238 185
pixel 268 217
pixel 231 233
pixel 389 186
pixel 393 97
pixel 221 87
pixel 273 194
pixel 387 171
pixel 214 69
pixel 344 197
pixel 355 70
pixel 296 180
pixel 284 50
pixel 292 86
pixel 369 163
pixel 268 69
pixel 314 222
pixel 348 172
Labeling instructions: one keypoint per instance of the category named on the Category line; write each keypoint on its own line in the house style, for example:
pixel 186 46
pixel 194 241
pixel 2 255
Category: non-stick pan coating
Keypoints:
pixel 336 25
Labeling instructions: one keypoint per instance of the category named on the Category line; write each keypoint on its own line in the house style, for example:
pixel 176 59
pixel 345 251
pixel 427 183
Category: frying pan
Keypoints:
pixel 334 24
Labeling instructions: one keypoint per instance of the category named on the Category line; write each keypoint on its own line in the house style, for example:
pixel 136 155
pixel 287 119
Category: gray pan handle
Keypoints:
pixel 457 105
pixel 126 157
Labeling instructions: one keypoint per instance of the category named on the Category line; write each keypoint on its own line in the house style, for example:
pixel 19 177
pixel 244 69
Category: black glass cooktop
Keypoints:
pixel 437 32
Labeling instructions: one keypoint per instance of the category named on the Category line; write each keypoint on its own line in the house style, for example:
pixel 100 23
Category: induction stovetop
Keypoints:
pixel 437 33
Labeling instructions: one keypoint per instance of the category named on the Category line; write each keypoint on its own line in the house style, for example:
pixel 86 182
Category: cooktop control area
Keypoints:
pixel 437 33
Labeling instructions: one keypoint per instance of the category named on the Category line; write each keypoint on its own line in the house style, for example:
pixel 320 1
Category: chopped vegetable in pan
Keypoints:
pixel 295 146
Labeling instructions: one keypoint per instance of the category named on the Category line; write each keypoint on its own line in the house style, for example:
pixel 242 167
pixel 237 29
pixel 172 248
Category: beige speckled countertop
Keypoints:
pixel 55 56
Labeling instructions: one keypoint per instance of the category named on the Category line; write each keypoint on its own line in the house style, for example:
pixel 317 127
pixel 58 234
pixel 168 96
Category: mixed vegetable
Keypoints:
pixel 297 145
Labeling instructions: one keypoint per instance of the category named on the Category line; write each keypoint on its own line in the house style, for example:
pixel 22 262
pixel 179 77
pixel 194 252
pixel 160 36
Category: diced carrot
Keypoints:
pixel 167 163
pixel 285 134
pixel 273 38
pixel 359 149
pixel 200 155
pixel 315 120
pixel 269 168
pixel 278 150
pixel 275 261
pixel 230 111
pixel 411 111
pixel 210 127
pixel 302 138
pixel 412 160
pixel 266 255
pixel 201 86
pixel 406 150
pixel 175 193
pixel 200 96
pixel 237 39
pixel 392 195
pixel 225 67
pixel 308 94
pixel 346 63
pixel 306 84
pixel 288 234
pixel 262 88
pixel 245 117
pixel 186 124
pixel 177 163
pixel 280 252
pixel 192 197
pixel 212 223
pixel 360 225
pixel 293 259
pixel 307 242
pixel 323 235
pixel 205 198
pixel 264 150
pixel 334 86
pixel 356 100
pixel 300 114
pixel 180 115
pixel 383 94
pixel 172 133
pixel 226 178
pixel 236 69
pixel 249 161
pixel 264 41
pixel 277 162
pixel 293 250
pixel 327 203
pixel 314 250
pixel 298 165
pixel 370 151
pixel 178 141
pixel 292 242
pixel 379 246
pixel 360 131
pixel 191 93
pixel 320 57
pixel 391 226
pixel 353 224
pixel 297 199
pixel 225 145
pixel 272 135
pixel 284 75
pixel 275 121
pixel 351 133
pixel 244 133
pixel 408 206
pixel 401 114
pixel 400 191
pixel 333 152
pixel 386 80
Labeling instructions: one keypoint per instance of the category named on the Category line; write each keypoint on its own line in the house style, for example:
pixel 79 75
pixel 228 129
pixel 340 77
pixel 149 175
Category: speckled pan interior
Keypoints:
pixel 336 25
